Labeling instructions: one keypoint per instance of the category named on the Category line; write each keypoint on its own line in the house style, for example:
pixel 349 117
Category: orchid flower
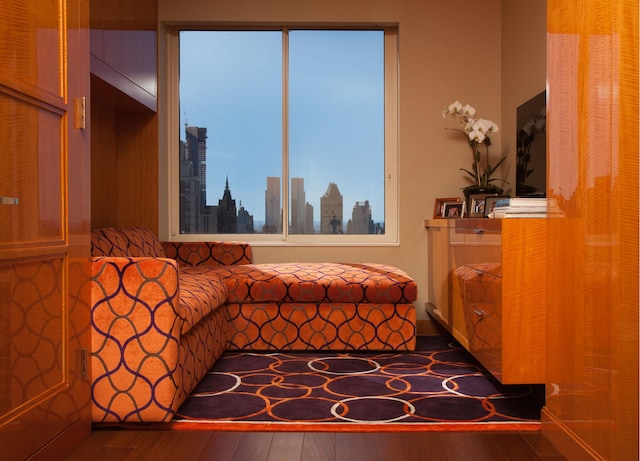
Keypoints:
pixel 478 132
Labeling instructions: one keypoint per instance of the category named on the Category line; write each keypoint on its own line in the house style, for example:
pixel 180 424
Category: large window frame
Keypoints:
pixel 172 139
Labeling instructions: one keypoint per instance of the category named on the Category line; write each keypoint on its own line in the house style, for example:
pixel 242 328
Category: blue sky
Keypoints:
pixel 231 83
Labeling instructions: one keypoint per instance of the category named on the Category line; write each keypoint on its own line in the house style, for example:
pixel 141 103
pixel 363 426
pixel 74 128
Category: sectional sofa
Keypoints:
pixel 164 312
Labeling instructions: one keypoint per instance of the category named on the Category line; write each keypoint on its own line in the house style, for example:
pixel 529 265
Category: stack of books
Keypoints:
pixel 526 207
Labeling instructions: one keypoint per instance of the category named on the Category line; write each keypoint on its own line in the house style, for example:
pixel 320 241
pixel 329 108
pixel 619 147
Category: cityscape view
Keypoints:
pixel 229 216
pixel 262 142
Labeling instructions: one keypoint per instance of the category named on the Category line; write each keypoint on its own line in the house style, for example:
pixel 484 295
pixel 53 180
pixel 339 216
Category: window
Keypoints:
pixel 292 126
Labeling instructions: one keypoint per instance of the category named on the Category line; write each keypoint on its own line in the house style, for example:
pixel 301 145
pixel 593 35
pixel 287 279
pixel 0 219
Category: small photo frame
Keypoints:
pixel 438 208
pixel 453 210
pixel 477 205
pixel 490 203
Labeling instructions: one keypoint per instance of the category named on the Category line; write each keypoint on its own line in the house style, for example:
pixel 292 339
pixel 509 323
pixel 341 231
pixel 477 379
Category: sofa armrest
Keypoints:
pixel 135 338
pixel 213 254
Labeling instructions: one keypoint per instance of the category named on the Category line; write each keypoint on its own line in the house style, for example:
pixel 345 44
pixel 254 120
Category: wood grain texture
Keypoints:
pixel 44 236
pixel 124 47
pixel 124 124
pixel 592 327
pixel 125 445
pixel 524 299
pixel 439 263
pixel 509 338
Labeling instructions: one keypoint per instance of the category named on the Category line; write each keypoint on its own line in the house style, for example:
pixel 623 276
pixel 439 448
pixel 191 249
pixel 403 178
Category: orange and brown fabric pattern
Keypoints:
pixel 163 313
pixel 312 306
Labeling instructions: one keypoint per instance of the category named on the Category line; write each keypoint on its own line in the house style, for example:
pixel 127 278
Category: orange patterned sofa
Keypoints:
pixel 164 312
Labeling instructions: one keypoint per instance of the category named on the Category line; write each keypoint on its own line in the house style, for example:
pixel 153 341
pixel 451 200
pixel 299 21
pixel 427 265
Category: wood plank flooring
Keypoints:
pixel 134 445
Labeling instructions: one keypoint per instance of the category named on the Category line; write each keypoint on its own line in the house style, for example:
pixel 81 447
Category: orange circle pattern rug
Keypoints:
pixel 440 386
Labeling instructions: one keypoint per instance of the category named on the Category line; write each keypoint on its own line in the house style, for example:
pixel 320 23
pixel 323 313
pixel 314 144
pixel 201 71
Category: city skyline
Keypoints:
pixel 359 221
pixel 229 215
pixel 231 83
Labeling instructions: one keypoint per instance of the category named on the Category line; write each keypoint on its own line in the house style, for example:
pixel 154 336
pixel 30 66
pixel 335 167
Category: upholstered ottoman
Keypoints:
pixel 318 306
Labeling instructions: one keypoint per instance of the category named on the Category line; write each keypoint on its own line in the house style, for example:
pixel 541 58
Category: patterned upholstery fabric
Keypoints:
pixel 155 331
pixel 199 296
pixel 214 254
pixel 135 338
pixel 199 349
pixel 315 283
pixel 323 326
pixel 131 241
pixel 109 242
pixel 163 313
pixel 142 366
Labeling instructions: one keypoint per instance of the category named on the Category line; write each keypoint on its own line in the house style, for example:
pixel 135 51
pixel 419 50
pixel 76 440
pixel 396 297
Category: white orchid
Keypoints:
pixel 468 111
pixel 478 132
pixel 454 108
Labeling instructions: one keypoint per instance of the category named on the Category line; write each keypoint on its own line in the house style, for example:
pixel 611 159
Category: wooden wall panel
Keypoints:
pixel 124 169
pixel 44 229
pixel 592 329
pixel 124 124
pixel 137 148
pixel 124 47
pixel 104 166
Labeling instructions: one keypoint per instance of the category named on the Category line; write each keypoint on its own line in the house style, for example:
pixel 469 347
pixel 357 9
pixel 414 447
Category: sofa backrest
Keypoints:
pixel 127 241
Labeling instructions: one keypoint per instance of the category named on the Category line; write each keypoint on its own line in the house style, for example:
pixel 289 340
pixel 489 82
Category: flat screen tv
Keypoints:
pixel 531 152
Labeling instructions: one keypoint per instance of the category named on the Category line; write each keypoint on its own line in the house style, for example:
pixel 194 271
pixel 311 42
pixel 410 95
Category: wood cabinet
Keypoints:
pixel 124 47
pixel 591 409
pixel 487 287
pixel 44 229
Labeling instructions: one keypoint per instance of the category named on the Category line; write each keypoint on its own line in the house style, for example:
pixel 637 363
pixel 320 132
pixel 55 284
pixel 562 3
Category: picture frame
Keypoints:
pixel 453 210
pixel 490 202
pixel 438 207
pixel 477 205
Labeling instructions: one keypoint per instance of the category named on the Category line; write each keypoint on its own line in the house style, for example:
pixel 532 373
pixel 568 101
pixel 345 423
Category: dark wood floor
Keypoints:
pixel 129 445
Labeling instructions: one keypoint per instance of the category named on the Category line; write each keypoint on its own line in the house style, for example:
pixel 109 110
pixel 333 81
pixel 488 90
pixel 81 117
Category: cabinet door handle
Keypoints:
pixel 8 200
pixel 478 231
pixel 480 313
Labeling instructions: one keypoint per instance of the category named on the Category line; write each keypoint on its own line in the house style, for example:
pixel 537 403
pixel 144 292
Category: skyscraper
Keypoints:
pixel 245 221
pixel 196 152
pixel 273 213
pixel 189 193
pixel 361 218
pixel 227 214
pixel 298 207
pixel 309 227
pixel 331 211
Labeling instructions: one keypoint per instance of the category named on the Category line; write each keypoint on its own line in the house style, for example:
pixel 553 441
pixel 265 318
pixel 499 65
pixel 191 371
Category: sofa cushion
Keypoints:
pixel 109 242
pixel 215 254
pixel 133 242
pixel 199 296
pixel 315 283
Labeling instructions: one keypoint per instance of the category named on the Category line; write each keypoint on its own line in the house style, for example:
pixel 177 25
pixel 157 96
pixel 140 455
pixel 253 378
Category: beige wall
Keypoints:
pixel 448 51
pixel 524 67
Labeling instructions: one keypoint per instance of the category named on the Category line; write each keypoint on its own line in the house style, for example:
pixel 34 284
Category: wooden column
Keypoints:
pixel 592 320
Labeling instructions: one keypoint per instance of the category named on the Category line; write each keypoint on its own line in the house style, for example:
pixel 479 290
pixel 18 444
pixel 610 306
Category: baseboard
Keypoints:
pixel 564 439
pixel 427 328
pixel 65 442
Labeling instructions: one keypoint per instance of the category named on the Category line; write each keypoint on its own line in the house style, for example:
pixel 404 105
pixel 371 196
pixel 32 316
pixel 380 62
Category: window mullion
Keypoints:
pixel 285 133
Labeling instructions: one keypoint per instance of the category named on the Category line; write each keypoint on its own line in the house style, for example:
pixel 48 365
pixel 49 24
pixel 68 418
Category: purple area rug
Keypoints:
pixel 440 386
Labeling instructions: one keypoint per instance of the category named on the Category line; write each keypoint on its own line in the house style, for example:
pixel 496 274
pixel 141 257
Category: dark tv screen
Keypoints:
pixel 531 152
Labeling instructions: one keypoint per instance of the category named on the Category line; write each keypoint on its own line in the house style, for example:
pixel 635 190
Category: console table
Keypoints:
pixel 487 288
